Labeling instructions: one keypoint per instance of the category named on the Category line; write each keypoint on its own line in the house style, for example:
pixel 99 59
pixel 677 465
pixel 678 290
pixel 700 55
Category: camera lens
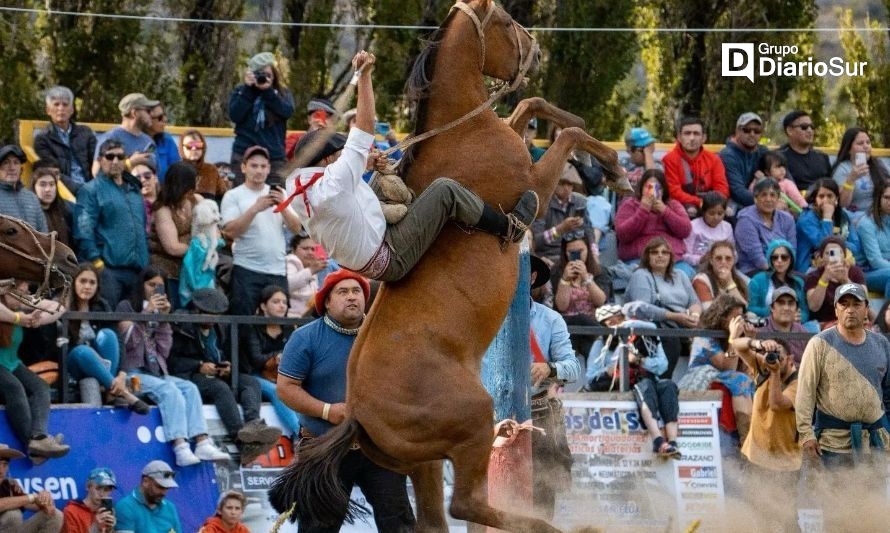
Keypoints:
pixel 771 357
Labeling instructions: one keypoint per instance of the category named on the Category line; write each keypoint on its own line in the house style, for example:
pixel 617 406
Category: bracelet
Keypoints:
pixel 587 282
pixel 18 318
pixel 128 164
pixel 563 281
pixel 326 411
pixel 849 186
pixel 822 283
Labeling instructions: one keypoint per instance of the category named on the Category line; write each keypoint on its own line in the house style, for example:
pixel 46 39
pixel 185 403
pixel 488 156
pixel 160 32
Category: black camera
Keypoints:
pixel 261 76
pixel 771 357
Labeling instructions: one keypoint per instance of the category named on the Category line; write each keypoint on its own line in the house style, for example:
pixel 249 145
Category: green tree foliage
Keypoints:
pixel 582 69
pixel 207 53
pixel 689 61
pixel 17 83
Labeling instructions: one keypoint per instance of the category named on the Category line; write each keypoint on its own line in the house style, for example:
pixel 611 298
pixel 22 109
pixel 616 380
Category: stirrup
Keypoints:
pixel 516 230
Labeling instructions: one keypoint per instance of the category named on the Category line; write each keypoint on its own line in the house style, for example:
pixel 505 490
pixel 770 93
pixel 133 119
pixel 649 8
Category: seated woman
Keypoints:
pixel 652 213
pixel 577 294
pixel 718 275
pixel 822 219
pixel 663 295
pixel 201 355
pixel 25 395
pixel 834 268
pixel 94 351
pixel 856 172
pixel 874 234
pixel 657 399
pixel 146 351
pixel 262 346
pixel 759 224
pixel 58 212
pixel 713 360
pixel 780 274
pixel 302 267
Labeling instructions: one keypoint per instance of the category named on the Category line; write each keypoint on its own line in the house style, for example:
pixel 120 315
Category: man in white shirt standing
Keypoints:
pixel 260 245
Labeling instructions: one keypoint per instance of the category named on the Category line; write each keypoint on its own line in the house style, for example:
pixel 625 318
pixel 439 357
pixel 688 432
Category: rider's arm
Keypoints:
pixel 364 117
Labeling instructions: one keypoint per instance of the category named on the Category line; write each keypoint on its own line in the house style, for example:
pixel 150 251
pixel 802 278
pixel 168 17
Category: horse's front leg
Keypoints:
pixel 537 107
pixel 426 478
pixel 547 170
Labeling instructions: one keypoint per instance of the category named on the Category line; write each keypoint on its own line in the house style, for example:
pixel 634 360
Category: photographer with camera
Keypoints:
pixel 657 399
pixel 260 108
pixel 784 316
pixel 95 514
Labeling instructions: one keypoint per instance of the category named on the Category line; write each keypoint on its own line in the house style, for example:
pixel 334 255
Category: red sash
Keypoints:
pixel 298 190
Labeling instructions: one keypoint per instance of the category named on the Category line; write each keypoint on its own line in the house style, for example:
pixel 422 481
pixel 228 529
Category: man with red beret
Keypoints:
pixel 312 382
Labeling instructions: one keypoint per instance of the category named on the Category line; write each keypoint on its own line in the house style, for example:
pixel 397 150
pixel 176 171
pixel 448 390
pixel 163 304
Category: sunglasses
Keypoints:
pixel 660 252
pixel 749 131
pixel 780 257
pixel 147 175
pixel 165 475
pixel 112 157
pixel 804 127
pixel 194 146
pixel 160 118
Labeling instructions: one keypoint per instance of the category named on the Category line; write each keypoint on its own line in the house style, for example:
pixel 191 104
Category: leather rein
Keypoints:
pixel 7 286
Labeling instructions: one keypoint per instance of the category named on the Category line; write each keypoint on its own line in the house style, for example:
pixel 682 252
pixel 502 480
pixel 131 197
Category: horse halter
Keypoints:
pixel 46 262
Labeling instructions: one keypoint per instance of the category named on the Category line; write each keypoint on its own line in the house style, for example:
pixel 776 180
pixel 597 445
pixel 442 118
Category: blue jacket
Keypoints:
pixel 875 242
pixel 752 237
pixel 760 283
pixel 111 223
pixel 811 230
pixel 243 111
pixel 740 166
pixel 167 153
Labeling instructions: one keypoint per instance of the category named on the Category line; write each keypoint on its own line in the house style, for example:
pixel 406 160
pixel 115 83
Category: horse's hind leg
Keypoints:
pixel 537 107
pixel 470 499
pixel 427 481
pixel 550 165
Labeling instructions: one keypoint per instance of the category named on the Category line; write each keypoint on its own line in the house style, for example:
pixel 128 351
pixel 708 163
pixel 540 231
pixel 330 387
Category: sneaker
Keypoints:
pixel 251 451
pixel 522 216
pixel 184 455
pixel 257 432
pixel 48 446
pixel 207 451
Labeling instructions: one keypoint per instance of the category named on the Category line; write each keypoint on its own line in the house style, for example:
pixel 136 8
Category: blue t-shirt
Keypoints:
pixel 134 515
pixel 132 143
pixel 317 355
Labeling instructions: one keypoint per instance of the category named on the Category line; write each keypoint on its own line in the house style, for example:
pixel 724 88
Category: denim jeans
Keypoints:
pixel 85 360
pixel 285 414
pixel 179 402
pixel 26 397
pixel 879 281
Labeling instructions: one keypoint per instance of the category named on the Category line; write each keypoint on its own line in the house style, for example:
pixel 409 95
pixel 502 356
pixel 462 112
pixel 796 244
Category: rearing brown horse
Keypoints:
pixel 28 255
pixel 414 393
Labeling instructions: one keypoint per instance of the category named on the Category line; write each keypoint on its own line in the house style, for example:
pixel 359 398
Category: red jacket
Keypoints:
pixel 77 518
pixel 635 227
pixel 706 171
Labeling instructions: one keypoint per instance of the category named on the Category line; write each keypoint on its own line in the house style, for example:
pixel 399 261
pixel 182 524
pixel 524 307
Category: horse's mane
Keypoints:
pixel 417 88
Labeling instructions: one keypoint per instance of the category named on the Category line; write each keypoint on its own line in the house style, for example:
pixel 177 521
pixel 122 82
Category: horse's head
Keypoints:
pixel 509 51
pixel 28 255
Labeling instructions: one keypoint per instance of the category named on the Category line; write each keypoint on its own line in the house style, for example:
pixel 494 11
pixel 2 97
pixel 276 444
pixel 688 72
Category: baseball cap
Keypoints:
pixel 102 477
pixel 605 312
pixel 14 151
pixel 853 289
pixel 745 118
pixel 320 104
pixel 133 101
pixel 161 473
pixel 253 150
pixel 638 138
pixel 783 291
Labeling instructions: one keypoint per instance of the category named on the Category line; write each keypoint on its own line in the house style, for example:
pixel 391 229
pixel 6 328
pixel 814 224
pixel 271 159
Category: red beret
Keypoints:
pixel 333 279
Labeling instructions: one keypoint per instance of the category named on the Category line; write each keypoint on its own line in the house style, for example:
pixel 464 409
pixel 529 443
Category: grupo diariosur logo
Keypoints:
pixel 744 60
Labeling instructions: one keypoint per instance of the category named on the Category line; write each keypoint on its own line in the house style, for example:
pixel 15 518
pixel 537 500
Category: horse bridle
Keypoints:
pixel 525 63
pixel 46 262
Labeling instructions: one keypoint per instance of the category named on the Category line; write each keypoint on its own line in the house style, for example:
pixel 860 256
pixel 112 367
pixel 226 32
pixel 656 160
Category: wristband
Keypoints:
pixel 822 283
pixel 325 412
pixel 31 498
pixel 18 318
pixel 128 164
pixel 355 75
pixel 849 186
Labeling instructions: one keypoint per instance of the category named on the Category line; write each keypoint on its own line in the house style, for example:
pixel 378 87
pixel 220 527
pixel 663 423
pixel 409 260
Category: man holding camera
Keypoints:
pixel 784 317
pixel 248 219
pixel 95 514
pixel 845 380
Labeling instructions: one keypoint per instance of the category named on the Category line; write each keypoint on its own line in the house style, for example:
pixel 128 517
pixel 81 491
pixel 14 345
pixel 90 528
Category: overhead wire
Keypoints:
pixel 337 25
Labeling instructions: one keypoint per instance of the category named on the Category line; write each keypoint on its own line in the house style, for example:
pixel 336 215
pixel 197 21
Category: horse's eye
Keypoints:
pixel 11 231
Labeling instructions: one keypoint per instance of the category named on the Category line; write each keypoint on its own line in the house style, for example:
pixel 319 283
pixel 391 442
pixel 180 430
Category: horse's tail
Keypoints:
pixel 310 487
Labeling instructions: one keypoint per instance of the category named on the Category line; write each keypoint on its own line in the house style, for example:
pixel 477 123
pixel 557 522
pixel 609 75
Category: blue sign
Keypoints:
pixel 122 441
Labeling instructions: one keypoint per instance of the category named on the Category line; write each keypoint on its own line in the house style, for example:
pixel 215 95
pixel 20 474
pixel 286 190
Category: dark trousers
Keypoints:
pixel 384 489
pixel 661 397
pixel 247 286
pixel 117 284
pixel 26 397
pixel 219 392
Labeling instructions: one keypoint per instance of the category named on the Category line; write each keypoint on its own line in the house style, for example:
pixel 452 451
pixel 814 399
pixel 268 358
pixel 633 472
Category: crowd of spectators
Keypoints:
pixel 769 235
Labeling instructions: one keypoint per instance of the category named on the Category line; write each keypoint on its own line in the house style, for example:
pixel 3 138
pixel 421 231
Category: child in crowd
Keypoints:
pixel 708 228
pixel 773 164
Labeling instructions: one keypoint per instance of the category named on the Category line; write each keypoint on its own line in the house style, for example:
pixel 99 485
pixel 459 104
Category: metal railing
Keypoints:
pixel 233 323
